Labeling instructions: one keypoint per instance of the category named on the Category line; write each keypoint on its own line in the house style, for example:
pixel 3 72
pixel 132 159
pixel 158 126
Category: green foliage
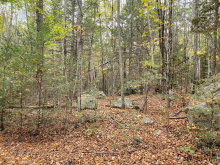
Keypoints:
pixel 91 90
pixel 188 149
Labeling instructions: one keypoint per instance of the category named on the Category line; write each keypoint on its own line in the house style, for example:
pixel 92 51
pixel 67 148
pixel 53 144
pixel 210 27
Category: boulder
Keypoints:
pixel 147 120
pixel 127 102
pixel 172 95
pixel 204 106
pixel 100 94
pixel 88 102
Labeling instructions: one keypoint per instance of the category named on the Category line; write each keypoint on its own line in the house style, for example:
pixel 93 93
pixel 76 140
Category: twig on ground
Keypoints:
pixel 177 117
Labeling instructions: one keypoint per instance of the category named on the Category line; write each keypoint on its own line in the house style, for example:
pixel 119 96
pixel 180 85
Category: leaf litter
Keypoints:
pixel 106 136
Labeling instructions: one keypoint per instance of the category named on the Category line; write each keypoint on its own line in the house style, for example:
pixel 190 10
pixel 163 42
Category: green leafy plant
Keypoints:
pixel 187 149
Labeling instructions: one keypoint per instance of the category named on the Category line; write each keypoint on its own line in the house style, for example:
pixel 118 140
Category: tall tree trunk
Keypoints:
pixel 120 56
pixel 215 38
pixel 170 44
pixel 150 38
pixel 72 54
pixel 109 47
pixel 63 41
pixel 40 49
pixel 131 39
pixel 112 49
pixel 79 53
pixel 102 51
pixel 93 76
pixel 161 15
pixel 209 68
pixel 195 47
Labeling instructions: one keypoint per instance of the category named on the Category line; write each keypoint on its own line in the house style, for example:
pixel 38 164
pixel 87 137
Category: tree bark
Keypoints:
pixel 170 44
pixel 215 38
pixel 79 53
pixel 161 16
pixel 195 47
pixel 120 56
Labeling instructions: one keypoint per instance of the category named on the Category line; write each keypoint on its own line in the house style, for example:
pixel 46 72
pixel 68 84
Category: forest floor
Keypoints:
pixel 106 136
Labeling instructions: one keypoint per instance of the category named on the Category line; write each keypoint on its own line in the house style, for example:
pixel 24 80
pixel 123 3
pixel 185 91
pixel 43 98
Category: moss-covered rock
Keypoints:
pixel 204 107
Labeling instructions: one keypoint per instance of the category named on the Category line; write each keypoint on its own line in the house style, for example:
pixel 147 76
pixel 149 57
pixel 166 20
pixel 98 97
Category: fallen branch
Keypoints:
pixel 178 113
pixel 34 107
pixel 37 107
pixel 177 117
pixel 113 106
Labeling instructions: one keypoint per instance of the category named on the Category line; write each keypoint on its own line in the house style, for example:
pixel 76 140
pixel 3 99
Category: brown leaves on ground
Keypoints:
pixel 105 137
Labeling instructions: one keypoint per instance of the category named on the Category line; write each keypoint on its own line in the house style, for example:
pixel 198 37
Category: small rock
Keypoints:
pixel 137 140
pixel 147 120
pixel 157 132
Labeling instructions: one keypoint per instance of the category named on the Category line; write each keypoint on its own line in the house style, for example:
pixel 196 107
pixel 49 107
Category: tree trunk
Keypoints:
pixel 215 39
pixel 170 44
pixel 72 54
pixel 195 47
pixel 131 40
pixel 109 47
pixel 161 16
pixel 79 53
pixel 63 41
pixel 101 43
pixel 40 49
pixel 209 68
pixel 120 56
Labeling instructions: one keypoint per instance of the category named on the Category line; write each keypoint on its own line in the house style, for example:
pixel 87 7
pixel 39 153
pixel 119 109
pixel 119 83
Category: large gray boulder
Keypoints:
pixel 204 106
pixel 88 102
pixel 127 102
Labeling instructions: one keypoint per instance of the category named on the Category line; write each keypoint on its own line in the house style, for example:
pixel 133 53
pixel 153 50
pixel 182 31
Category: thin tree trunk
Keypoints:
pixel 150 38
pixel 215 39
pixel 209 68
pixel 40 73
pixel 79 53
pixel 72 54
pixel 170 44
pixel 109 47
pixel 63 41
pixel 195 47
pixel 101 43
pixel 131 39
pixel 120 56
